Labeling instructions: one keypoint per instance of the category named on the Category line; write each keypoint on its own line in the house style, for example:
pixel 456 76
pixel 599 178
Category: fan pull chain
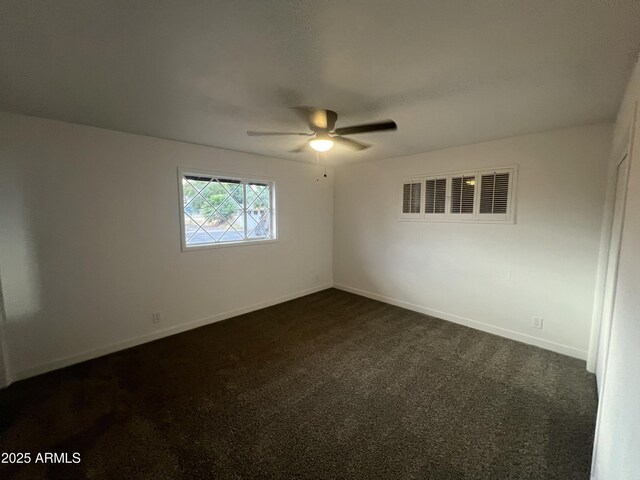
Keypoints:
pixel 324 163
pixel 323 156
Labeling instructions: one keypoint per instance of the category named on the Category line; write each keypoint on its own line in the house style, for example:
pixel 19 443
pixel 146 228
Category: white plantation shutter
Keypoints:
pixel 406 198
pixel 463 194
pixel 494 195
pixel 486 195
pixel 435 195
pixel 411 197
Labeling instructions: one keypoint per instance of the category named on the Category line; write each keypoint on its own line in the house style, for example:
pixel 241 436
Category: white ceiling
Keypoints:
pixel 448 72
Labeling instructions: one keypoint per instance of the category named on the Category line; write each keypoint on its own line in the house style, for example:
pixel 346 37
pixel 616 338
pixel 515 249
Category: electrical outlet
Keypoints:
pixel 537 322
pixel 156 317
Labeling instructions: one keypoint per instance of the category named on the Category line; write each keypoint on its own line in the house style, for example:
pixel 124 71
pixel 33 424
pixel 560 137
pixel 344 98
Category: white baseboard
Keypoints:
pixel 467 322
pixel 114 347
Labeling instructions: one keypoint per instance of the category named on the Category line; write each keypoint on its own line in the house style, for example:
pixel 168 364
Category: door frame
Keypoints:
pixel 5 377
pixel 633 136
pixel 622 151
pixel 606 318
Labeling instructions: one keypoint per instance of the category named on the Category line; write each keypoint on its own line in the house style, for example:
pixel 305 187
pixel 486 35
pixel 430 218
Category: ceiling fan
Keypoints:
pixel 323 133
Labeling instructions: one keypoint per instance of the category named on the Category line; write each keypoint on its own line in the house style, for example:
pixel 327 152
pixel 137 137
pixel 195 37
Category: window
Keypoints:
pixel 463 194
pixel 486 195
pixel 436 195
pixel 411 197
pixel 494 194
pixel 223 209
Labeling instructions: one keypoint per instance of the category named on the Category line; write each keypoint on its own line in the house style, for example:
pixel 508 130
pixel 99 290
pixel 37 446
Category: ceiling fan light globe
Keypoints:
pixel 321 144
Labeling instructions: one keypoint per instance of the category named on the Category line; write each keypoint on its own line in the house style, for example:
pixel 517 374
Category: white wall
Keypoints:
pixel 617 440
pixel 90 241
pixel 493 277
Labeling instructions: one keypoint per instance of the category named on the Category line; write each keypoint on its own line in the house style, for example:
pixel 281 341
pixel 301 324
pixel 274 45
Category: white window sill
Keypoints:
pixel 190 248
pixel 454 220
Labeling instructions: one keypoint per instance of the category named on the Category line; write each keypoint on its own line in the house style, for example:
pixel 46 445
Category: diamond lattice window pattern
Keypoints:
pixel 218 210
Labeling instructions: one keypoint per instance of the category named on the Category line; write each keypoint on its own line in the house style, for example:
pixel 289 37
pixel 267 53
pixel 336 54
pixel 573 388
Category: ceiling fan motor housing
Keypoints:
pixel 321 120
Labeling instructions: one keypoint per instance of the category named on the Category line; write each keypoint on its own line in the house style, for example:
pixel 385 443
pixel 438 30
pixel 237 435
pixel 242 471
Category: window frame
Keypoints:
pixel 497 217
pixel 434 217
pixel 413 216
pixel 244 180
pixel 476 216
pixel 461 217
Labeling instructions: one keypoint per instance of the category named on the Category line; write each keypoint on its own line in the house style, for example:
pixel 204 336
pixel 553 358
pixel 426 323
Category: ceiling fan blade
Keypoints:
pixel 319 119
pixel 300 148
pixel 367 127
pixel 303 112
pixel 253 133
pixel 349 143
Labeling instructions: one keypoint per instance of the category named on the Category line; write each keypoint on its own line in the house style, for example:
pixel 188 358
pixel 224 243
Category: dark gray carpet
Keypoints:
pixel 331 385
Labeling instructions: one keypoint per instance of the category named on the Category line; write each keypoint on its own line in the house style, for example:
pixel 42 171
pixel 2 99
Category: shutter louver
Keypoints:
pixel 435 195
pixel 462 194
pixel 406 198
pixel 494 193
pixel 415 197
pixel 411 197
